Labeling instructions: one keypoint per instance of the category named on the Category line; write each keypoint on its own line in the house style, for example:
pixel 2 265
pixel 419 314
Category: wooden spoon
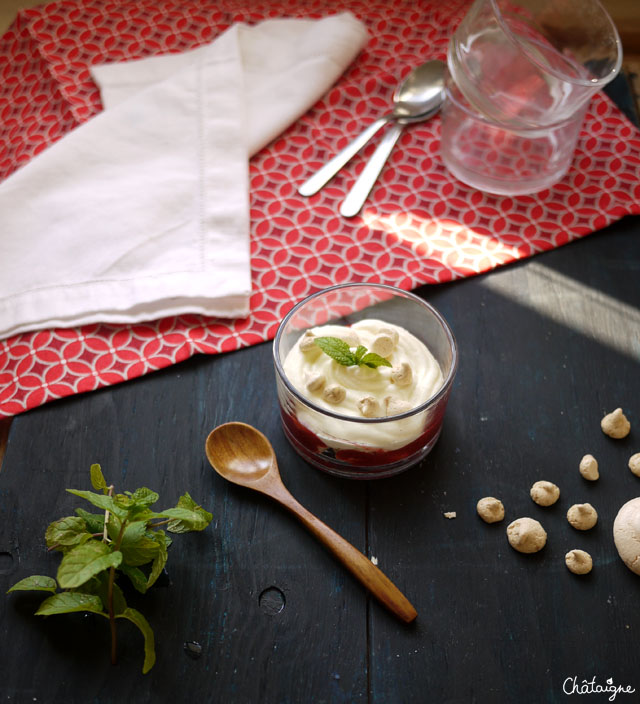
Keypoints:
pixel 243 455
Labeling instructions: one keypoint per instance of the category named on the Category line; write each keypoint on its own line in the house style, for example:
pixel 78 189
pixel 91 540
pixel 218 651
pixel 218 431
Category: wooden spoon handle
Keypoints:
pixel 360 566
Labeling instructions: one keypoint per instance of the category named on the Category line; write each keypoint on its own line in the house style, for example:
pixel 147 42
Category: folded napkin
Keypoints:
pixel 142 212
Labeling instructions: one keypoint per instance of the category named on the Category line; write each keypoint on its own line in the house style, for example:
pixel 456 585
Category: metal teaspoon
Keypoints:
pixel 432 73
pixel 415 99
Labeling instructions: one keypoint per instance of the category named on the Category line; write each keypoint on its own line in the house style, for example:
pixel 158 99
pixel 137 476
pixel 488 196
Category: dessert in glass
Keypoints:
pixel 364 373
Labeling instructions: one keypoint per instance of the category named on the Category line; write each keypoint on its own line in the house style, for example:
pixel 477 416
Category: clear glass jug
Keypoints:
pixel 521 74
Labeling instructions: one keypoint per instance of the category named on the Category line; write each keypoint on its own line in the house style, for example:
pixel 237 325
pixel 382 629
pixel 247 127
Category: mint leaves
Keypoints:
pixel 340 351
pixel 97 548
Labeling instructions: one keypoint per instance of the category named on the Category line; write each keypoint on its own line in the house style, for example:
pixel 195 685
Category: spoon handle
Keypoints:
pixel 331 168
pixel 360 566
pixel 362 187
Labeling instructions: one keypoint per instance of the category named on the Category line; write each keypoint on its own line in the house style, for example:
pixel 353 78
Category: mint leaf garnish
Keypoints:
pixel 140 553
pixel 97 478
pixel 160 560
pixel 149 645
pixel 186 516
pixel 67 533
pixel 98 548
pixel 68 602
pixel 340 351
pixel 37 582
pixel 137 577
pixel 93 521
pixel 361 350
pixel 337 349
pixel 85 561
pixel 373 360
pixel 144 496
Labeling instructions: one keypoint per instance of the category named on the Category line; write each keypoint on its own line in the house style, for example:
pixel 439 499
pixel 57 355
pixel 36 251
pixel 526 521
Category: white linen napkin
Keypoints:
pixel 142 212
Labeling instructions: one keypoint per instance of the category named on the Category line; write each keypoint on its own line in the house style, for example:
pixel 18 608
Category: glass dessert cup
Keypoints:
pixel 495 159
pixel 521 74
pixel 362 447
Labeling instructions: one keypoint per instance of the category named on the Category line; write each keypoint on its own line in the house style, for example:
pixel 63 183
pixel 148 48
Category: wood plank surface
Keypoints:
pixel 5 426
pixel 151 433
pixel 547 346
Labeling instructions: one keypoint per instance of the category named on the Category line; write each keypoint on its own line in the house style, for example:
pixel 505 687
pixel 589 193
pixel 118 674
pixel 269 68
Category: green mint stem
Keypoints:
pixel 105 537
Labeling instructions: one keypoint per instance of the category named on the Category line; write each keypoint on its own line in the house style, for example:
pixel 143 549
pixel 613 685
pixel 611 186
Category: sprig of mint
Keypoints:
pixel 97 548
pixel 340 351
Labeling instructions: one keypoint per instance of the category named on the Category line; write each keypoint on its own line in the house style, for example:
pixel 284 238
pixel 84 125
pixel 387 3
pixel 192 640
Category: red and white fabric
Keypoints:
pixel 419 226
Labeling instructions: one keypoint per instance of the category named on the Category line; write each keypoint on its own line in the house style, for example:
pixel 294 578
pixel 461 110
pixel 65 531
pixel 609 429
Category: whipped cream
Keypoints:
pixel 361 392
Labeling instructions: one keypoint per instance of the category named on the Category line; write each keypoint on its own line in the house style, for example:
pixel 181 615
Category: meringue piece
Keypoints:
pixel 307 342
pixel 334 393
pixel 370 407
pixel 615 424
pixel 402 375
pixel 393 334
pixel 626 534
pixel 395 406
pixel 634 464
pixel 450 514
pixel 578 561
pixel 582 516
pixel 347 335
pixel 545 493
pixel 490 509
pixel 589 468
pixel 526 535
pixel 316 382
pixel 383 345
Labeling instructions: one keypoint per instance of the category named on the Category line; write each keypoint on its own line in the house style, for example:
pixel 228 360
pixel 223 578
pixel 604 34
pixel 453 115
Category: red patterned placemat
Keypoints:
pixel 419 226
